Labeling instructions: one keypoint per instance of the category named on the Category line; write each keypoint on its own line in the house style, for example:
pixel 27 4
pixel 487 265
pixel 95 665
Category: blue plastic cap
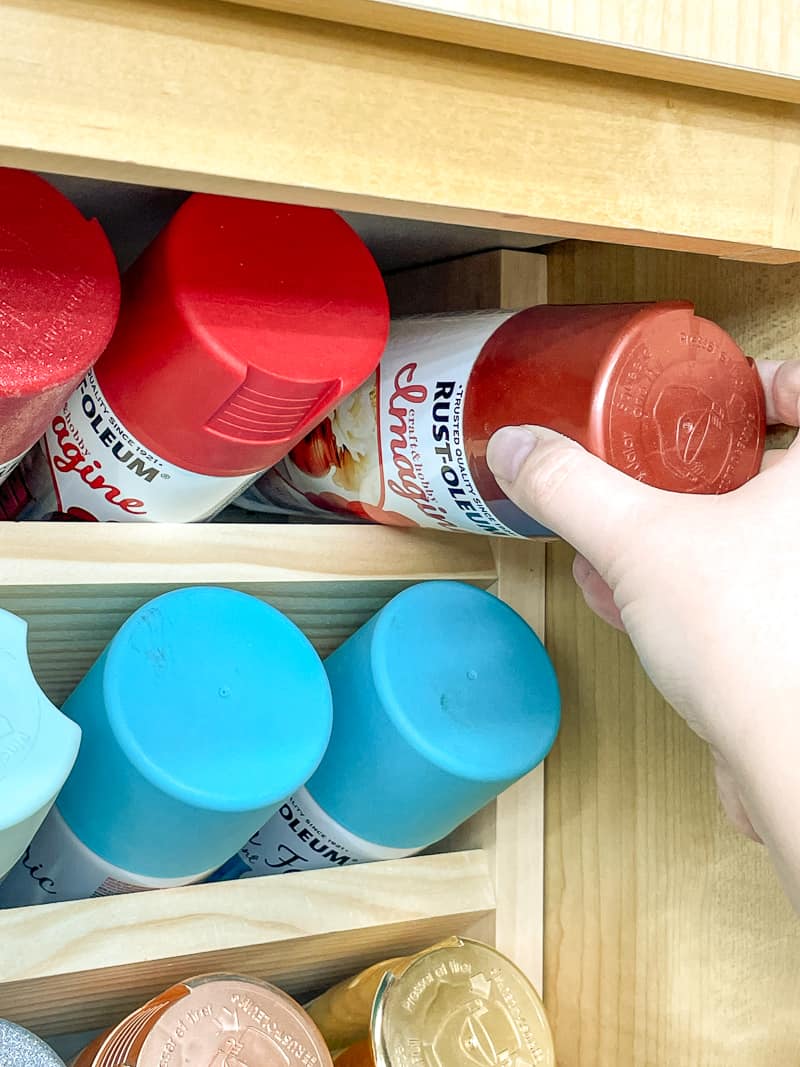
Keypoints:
pixel 204 713
pixel 440 702
pixel 38 745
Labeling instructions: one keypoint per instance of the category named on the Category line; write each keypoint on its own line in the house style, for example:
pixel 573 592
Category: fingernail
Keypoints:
pixel 508 450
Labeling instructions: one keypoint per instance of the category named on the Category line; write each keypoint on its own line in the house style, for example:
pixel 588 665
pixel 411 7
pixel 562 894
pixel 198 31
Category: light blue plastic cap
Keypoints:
pixel 204 713
pixel 440 702
pixel 38 745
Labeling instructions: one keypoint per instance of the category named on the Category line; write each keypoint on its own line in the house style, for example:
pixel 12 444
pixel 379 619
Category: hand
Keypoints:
pixel 707 587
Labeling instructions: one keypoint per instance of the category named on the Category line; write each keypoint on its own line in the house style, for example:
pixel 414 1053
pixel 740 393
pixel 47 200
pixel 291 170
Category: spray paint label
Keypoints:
pixel 300 836
pixel 58 866
pixel 7 467
pixel 89 467
pixel 396 451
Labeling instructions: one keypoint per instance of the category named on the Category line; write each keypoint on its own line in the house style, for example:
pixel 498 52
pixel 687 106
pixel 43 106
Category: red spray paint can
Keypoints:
pixel 242 326
pixel 59 298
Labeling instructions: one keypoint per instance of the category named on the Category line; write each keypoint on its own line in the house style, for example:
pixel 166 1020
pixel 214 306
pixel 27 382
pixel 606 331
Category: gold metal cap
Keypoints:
pixel 461 1003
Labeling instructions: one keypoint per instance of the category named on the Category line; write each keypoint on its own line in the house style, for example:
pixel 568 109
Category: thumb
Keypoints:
pixel 590 504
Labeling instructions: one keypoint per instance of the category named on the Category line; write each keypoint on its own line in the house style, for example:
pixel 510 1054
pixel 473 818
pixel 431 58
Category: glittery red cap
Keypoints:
pixel 59 299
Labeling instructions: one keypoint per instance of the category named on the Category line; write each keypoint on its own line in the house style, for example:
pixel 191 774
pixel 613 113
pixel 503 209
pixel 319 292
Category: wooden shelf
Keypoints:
pixel 666 939
pixel 83 965
pixel 737 46
pixel 76 966
pixel 43 554
pixel 77 584
pixel 672 926
pixel 195 94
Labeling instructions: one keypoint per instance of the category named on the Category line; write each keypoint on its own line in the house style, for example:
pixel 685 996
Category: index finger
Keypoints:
pixel 781 381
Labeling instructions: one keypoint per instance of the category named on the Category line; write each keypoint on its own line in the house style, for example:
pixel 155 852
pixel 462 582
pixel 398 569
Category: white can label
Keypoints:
pixel 301 837
pixel 7 467
pixel 394 451
pixel 58 866
pixel 89 467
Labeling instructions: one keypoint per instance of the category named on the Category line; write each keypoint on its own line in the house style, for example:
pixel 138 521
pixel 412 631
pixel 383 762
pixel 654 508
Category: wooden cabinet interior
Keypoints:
pixel 664 934
pixel 667 938
pixel 736 45
pixel 77 966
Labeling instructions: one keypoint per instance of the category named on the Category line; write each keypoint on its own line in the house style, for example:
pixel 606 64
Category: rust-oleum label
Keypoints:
pixel 7 467
pixel 88 467
pixel 58 866
pixel 396 450
pixel 302 837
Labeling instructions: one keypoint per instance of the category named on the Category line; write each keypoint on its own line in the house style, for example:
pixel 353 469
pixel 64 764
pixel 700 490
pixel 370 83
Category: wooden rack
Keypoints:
pixel 660 937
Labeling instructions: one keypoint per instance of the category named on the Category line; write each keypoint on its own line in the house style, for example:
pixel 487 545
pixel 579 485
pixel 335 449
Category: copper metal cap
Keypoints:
pixel 218 1020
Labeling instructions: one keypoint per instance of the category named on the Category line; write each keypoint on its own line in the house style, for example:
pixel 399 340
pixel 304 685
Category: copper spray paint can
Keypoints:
pixel 218 1020
pixel 651 388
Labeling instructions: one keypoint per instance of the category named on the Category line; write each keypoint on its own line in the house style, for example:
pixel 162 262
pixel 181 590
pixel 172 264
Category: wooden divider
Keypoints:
pixel 667 938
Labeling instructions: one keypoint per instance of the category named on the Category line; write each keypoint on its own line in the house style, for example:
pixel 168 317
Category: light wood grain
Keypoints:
pixel 85 964
pixel 757 303
pixel 50 555
pixel 502 279
pixel 518 850
pixel 204 95
pixel 735 45
pixel 75 585
pixel 511 830
pixel 69 626
pixel 668 940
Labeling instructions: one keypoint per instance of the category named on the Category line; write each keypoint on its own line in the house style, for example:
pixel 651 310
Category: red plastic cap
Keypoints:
pixel 242 326
pixel 59 298
pixel 653 389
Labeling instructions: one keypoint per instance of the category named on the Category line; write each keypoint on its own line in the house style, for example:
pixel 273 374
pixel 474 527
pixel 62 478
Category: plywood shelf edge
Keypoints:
pixel 422 129
pixel 41 554
pixel 95 956
pixel 728 59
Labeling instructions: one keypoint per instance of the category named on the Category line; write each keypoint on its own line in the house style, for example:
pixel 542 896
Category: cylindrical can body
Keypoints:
pixel 241 327
pixel 300 836
pixel 57 866
pixel 38 747
pixel 185 752
pixel 653 389
pixel 358 1055
pixel 441 701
